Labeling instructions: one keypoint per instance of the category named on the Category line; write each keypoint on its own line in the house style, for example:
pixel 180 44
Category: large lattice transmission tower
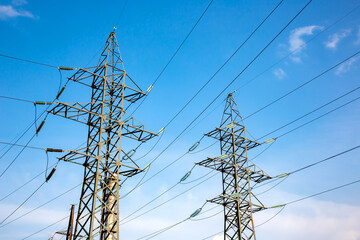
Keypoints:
pixel 103 158
pixel 239 174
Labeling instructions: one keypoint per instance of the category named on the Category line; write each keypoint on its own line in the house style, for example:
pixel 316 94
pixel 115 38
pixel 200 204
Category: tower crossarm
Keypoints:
pixel 221 165
pixel 81 158
pixel 80 112
pixel 226 135
pixel 243 205
pixel 86 76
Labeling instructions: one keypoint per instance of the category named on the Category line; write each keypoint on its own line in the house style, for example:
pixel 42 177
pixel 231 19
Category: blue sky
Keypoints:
pixel 68 33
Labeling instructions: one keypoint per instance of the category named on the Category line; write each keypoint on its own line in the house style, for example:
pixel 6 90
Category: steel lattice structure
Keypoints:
pixel 238 174
pixel 103 158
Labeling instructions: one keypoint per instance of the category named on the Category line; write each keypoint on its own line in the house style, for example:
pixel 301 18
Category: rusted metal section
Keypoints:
pixel 113 91
pixel 238 174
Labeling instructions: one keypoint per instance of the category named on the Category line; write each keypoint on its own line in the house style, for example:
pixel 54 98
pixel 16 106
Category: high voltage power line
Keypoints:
pixel 149 236
pixel 311 112
pixel 300 46
pixel 174 54
pixel 275 178
pixel 282 59
pixel 27 129
pixel 223 65
pixel 161 231
pixel 304 84
pixel 207 174
pixel 279 176
pixel 40 206
pixel 29 61
pixel 246 67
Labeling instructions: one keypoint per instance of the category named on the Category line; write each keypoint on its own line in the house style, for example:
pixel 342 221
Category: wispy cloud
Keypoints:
pixel 8 11
pixel 346 66
pixel 279 73
pixel 335 38
pixel 296 41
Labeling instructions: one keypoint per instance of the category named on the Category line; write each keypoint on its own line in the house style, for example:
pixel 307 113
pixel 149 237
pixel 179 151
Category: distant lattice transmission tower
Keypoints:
pixel 112 92
pixel 238 174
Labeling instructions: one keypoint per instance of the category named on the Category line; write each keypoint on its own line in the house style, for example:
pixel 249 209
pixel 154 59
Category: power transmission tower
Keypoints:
pixel 103 157
pixel 238 174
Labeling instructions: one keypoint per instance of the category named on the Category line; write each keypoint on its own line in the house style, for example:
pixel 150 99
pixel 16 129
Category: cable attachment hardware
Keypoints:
pixel 278 206
pixel 194 214
pixel 161 130
pixel 193 147
pixel 147 166
pixel 42 103
pixel 53 150
pixel 60 92
pixel 66 68
pixel 149 88
pixel 50 174
pixel 40 127
pixel 129 154
pixel 282 175
pixel 185 176
pixel 271 140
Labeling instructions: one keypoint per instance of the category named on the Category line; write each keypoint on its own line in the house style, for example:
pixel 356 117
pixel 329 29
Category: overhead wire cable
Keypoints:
pixel 286 175
pixel 16 157
pixel 30 196
pixel 27 199
pixel 213 235
pixel 19 145
pixel 40 206
pixel 323 115
pixel 285 57
pixel 175 53
pixel 223 65
pixel 26 183
pixel 258 225
pixel 297 119
pixel 121 13
pixel 140 183
pixel 181 181
pixel 320 193
pixel 37 131
pixel 324 160
pixel 29 236
pixel 247 66
pixel 163 203
pixel 154 234
pixel 299 47
pixel 307 114
pixel 29 61
pixel 282 59
pixel 17 99
pixel 282 205
pixel 302 85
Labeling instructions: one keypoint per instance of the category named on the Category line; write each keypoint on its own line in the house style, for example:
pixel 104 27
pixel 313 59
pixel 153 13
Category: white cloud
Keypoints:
pixel 346 66
pixel 296 42
pixel 8 11
pixel 335 38
pixel 279 73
